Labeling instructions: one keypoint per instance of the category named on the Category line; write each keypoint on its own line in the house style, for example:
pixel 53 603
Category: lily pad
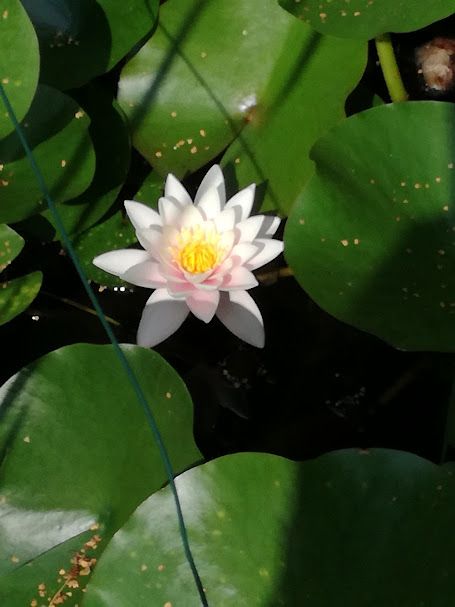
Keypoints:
pixel 81 39
pixel 57 131
pixel 333 531
pixel 372 237
pixel 111 141
pixel 366 19
pixel 274 151
pixel 76 447
pixel 209 68
pixel 19 61
pixel 17 294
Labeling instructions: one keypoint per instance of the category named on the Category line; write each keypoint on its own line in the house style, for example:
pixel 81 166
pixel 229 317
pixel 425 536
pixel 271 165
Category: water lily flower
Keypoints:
pixel 199 257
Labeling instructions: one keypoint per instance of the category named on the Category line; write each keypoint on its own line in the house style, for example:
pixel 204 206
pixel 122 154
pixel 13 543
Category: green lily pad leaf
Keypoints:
pixel 372 237
pixel 209 68
pixel 19 61
pixel 366 19
pixel 111 141
pixel 333 531
pixel 150 191
pixel 76 447
pixel 11 244
pixel 17 294
pixel 57 131
pixel 81 39
pixel 274 152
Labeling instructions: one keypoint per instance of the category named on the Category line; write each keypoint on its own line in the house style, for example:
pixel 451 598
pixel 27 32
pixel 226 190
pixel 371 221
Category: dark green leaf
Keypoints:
pixel 366 19
pixel 19 61
pixel 372 237
pixel 349 528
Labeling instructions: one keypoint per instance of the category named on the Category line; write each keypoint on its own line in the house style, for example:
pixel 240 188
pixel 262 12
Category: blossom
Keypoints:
pixel 199 257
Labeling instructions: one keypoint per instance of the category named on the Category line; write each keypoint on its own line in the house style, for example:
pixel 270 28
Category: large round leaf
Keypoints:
pixel 77 449
pixel 349 528
pixel 209 68
pixel 372 237
pixel 368 18
pixel 274 151
pixel 17 294
pixel 112 149
pixel 80 39
pixel 19 61
pixel 57 131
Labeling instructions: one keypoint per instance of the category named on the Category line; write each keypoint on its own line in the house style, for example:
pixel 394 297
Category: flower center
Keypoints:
pixel 199 249
pixel 197 257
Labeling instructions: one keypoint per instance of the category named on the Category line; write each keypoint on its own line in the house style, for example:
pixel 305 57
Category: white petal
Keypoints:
pixel 247 231
pixel 149 237
pixel 170 210
pixel 118 262
pixel 213 180
pixel 173 188
pixel 239 313
pixel 145 274
pixel 243 252
pixel 210 204
pixel 161 317
pixel 238 278
pixel 141 216
pixel 269 249
pixel 225 221
pixel 242 203
pixel 190 217
pixel 203 304
pixel 269 226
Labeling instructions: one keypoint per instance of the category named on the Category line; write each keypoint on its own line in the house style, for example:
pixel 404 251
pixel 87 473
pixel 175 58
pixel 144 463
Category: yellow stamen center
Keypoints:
pixel 198 249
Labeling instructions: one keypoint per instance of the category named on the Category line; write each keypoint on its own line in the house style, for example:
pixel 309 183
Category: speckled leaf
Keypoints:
pixel 17 294
pixel 112 149
pixel 19 61
pixel 372 237
pixel 57 131
pixel 267 531
pixel 11 244
pixel 81 39
pixel 150 191
pixel 274 151
pixel 77 449
pixel 209 68
pixel 368 18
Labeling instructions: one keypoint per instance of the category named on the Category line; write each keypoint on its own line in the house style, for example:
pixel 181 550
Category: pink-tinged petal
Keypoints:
pixel 161 317
pixel 268 250
pixel 118 262
pixel 242 253
pixel 141 216
pixel 239 313
pixel 174 189
pixel 210 204
pixel 223 268
pixel 225 221
pixel 269 226
pixel 203 304
pixel 170 210
pixel 213 180
pixel 210 284
pixel 171 272
pixel 238 278
pixel 190 217
pixel 149 238
pixel 180 289
pixel 196 278
pixel 247 231
pixel 242 203
pixel 145 274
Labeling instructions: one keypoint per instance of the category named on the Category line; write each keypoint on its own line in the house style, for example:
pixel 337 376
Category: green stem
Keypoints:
pixel 390 69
